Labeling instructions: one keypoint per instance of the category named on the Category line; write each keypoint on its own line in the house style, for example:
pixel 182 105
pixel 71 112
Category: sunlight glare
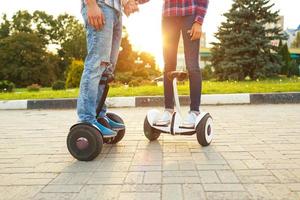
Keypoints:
pixel 144 30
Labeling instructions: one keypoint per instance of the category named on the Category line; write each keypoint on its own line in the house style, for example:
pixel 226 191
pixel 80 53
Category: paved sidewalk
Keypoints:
pixel 255 155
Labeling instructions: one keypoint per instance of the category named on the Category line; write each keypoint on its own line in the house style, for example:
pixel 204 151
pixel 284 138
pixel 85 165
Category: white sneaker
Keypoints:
pixel 190 120
pixel 165 119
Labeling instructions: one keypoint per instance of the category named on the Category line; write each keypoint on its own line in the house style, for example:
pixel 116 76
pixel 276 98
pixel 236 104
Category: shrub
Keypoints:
pixel 141 73
pixel 207 72
pixel 148 82
pixel 135 82
pixel 293 68
pixel 115 84
pixel 58 85
pixel 123 77
pixel 74 73
pixel 34 88
pixel 6 86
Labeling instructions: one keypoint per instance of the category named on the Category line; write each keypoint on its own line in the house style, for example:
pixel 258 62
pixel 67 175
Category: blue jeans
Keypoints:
pixel 172 28
pixel 102 53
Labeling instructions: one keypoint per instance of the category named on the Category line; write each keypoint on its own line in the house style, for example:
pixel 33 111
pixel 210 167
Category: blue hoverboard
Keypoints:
pixel 85 141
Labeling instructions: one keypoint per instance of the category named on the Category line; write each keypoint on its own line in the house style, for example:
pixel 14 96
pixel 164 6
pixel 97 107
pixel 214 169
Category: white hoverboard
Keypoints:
pixel 203 127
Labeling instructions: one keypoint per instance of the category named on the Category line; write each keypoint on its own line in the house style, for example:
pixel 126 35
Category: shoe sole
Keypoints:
pixel 110 136
pixel 162 125
pixel 185 127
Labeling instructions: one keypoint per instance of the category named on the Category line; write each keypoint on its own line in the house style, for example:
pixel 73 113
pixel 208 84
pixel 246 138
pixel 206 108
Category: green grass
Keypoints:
pixel 209 87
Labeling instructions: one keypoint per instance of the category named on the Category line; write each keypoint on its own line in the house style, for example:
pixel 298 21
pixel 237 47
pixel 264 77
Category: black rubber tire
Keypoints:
pixel 150 132
pixel 94 138
pixel 120 134
pixel 200 131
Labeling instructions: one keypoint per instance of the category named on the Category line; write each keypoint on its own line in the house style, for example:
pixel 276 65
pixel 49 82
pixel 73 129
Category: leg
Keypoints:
pixel 171 28
pixel 116 42
pixel 99 48
pixel 191 53
pixel 171 34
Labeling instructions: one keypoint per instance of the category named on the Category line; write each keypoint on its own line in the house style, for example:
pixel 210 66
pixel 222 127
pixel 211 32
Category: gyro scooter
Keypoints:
pixel 85 141
pixel 203 126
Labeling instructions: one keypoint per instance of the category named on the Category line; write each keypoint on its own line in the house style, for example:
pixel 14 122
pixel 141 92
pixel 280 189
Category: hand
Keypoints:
pixel 95 16
pixel 196 31
pixel 131 7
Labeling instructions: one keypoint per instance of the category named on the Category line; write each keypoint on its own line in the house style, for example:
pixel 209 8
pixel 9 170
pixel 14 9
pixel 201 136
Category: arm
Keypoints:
pixel 143 1
pixel 196 30
pixel 94 14
pixel 131 6
pixel 201 10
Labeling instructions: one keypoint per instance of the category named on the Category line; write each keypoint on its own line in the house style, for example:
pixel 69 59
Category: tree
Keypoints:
pixel 25 57
pixel 24 60
pixel 244 46
pixel 134 65
pixel 42 24
pixel 296 43
pixel 71 37
pixel 22 22
pixel 286 58
pixel 66 32
pixel 45 27
pixel 127 57
pixel 289 66
pixel 4 27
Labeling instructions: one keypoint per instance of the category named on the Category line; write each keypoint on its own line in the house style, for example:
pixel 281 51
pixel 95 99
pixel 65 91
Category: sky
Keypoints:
pixel 144 27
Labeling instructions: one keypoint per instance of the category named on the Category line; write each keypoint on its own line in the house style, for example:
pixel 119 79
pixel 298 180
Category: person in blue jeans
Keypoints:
pixel 103 24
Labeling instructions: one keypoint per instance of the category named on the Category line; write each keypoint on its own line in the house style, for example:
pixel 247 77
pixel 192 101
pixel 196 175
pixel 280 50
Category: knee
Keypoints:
pixel 105 64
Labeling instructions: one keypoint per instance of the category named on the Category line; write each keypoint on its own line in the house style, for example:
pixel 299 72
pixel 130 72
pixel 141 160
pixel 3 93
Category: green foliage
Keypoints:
pixel 293 69
pixel 127 57
pixel 134 65
pixel 124 77
pixel 207 72
pixel 289 66
pixel 244 47
pixel 6 86
pixel 71 37
pixel 24 60
pixel 296 42
pixel 33 88
pixel 286 58
pixel 42 29
pixel 24 56
pixel 135 83
pixel 74 73
pixel 39 23
pixel 4 27
pixel 59 85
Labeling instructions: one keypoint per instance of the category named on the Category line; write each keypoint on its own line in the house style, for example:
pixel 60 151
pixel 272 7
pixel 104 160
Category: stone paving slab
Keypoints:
pixel 255 155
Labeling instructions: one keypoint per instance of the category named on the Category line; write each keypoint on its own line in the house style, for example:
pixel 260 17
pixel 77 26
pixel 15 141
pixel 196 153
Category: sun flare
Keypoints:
pixel 144 30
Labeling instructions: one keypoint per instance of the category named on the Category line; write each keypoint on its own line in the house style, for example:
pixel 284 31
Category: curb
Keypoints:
pixel 151 101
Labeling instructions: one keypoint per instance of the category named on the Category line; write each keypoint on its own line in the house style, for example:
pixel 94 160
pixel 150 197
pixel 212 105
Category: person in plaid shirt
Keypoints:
pixel 182 17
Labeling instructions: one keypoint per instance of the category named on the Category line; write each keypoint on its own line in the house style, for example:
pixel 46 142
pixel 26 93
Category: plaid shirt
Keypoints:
pixel 184 8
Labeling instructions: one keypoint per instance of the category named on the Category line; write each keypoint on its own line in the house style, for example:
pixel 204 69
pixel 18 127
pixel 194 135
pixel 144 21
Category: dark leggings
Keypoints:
pixel 172 27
